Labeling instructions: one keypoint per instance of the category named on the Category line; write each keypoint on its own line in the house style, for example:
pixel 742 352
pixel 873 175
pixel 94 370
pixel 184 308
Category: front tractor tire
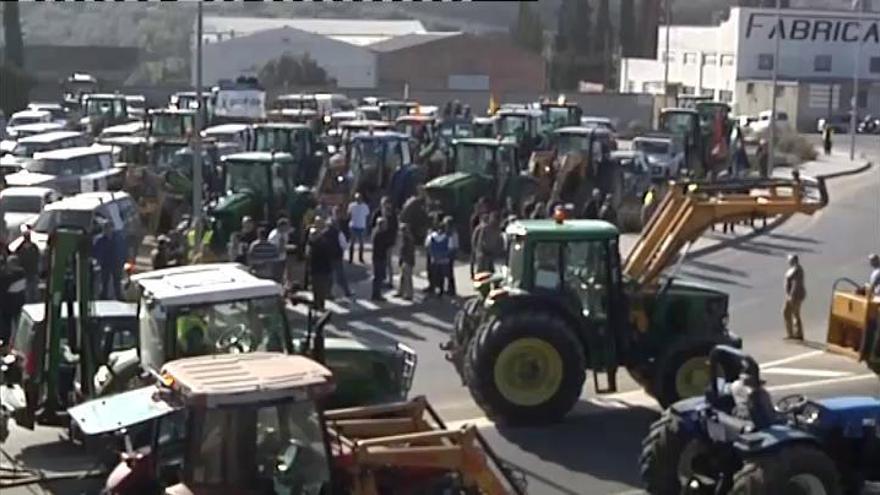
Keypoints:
pixel 525 368
pixel 683 374
pixel 798 469
pixel 669 455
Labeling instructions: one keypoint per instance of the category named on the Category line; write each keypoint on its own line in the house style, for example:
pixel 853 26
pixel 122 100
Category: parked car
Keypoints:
pixel 22 205
pixel 840 124
pixel 26 117
pixel 759 128
pixel 869 125
pixel 664 156
pixel 90 211
pixel 25 148
pixel 71 170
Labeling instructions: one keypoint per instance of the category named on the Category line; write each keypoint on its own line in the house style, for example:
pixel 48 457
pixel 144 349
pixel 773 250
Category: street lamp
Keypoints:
pixel 197 137
pixel 667 14
pixel 771 152
pixel 857 4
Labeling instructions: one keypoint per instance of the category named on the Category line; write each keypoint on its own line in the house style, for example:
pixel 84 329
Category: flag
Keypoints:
pixel 493 104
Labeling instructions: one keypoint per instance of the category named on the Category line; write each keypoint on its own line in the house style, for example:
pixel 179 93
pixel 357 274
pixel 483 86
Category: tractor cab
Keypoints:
pixel 76 86
pixel 560 114
pixel 102 110
pixel 351 128
pixel 686 125
pixel 391 110
pixel 522 126
pixel 418 127
pixel 308 117
pixel 259 430
pixel 373 160
pixel 189 100
pixel 167 123
pixel 484 127
pixel 583 163
pixel 296 102
pixel 297 139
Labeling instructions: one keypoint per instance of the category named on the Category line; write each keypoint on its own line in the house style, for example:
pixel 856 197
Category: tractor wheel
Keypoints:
pixel 466 321
pixel 668 456
pixel 526 368
pixel 796 470
pixel 682 375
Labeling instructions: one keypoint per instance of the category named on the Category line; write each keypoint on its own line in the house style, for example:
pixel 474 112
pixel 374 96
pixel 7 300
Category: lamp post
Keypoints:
pixel 197 137
pixel 667 14
pixel 857 4
pixel 771 151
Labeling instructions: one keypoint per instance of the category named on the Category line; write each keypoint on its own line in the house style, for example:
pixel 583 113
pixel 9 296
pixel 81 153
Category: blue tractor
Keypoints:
pixel 736 440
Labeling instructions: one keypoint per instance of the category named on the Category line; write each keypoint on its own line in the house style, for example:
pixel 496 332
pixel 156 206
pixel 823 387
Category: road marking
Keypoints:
pixel 791 359
pixel 370 305
pixel 805 372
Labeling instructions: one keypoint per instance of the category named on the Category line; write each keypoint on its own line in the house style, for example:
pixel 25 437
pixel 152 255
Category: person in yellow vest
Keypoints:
pixel 191 331
pixel 649 204
pixel 200 248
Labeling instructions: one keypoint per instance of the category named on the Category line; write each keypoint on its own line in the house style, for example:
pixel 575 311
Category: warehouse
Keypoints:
pixel 235 46
pixel 734 61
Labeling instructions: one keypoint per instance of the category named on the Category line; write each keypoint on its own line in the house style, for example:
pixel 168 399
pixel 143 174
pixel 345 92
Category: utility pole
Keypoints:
pixel 667 14
pixel 197 138
pixel 857 4
pixel 771 152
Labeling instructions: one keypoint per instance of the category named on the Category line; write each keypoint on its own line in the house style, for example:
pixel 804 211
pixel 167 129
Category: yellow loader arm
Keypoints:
pixel 689 208
pixel 394 439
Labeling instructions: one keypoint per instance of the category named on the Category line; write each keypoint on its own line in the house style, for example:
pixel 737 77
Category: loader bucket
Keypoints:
pixel 852 321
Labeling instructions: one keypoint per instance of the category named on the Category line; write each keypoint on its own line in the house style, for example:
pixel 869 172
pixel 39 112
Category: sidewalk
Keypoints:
pixel 835 165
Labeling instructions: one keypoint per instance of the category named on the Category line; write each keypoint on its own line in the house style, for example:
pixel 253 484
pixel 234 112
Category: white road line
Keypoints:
pixel 337 308
pixel 791 359
pixel 370 305
pixel 779 370
pixel 431 320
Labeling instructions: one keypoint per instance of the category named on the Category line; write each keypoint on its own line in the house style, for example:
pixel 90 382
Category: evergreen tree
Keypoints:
pixel 12 36
pixel 528 30
pixel 626 27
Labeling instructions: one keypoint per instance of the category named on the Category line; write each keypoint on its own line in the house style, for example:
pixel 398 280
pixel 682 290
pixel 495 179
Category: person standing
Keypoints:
pixel 607 212
pixel 320 263
pixel 104 252
pixel 593 205
pixel 280 237
pixel 795 293
pixel 29 256
pixel 452 235
pixel 337 245
pixel 475 239
pixel 407 262
pixel 741 163
pixel 246 238
pixel 160 257
pixel 763 157
pixel 262 256
pixel 489 245
pixel 649 205
pixel 827 137
pixel 386 211
pixel 437 247
pixel 874 278
pixel 382 245
pixel 415 214
pixel 358 214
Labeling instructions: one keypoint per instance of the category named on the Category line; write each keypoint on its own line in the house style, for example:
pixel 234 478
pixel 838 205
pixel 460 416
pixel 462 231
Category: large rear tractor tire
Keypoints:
pixel 525 368
pixel 683 374
pixel 668 456
pixel 793 470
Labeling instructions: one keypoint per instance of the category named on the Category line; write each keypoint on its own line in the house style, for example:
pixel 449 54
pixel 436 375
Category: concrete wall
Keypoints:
pixel 351 66
pixel 429 65
pixel 754 97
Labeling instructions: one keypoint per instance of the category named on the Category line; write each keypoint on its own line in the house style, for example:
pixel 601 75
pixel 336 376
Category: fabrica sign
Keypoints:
pixel 764 26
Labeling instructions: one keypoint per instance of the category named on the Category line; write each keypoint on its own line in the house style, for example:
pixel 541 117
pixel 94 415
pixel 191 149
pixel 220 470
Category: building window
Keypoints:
pixel 863 98
pixel 750 88
pixel 875 65
pixel 822 63
pixel 780 91
pixel 690 58
pixel 727 60
pixel 725 96
pixel 669 57
pixel 765 61
pixel 710 59
pixel 688 90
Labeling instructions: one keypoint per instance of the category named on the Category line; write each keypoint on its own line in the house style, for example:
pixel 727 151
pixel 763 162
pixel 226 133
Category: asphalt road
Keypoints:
pixel 595 450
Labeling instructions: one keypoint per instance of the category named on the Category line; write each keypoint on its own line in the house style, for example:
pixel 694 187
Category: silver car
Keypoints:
pixel 71 170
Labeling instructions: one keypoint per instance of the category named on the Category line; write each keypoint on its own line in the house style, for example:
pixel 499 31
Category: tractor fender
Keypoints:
pixel 512 303
pixel 771 439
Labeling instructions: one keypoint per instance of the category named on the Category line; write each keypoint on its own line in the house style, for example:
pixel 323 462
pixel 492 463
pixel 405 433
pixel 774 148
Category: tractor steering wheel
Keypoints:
pixel 236 340
pixel 791 404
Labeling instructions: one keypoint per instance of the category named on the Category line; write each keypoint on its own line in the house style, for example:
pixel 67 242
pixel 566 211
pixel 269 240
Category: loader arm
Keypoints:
pixel 409 439
pixel 689 208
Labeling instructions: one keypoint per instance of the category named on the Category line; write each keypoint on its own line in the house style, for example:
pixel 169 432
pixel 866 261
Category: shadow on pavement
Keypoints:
pixel 603 444
pixel 690 274
pixel 794 238
pixel 711 267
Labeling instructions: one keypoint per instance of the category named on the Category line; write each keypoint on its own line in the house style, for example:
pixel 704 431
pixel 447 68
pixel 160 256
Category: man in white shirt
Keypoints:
pixel 358 214
pixel 280 236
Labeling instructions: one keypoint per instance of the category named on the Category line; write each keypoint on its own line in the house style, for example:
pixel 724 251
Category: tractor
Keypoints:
pixel 705 136
pixel 480 168
pixel 102 110
pixel 299 140
pixel 255 423
pixel 560 114
pixel 75 87
pixel 391 110
pixel 565 304
pixel 523 126
pixel 736 440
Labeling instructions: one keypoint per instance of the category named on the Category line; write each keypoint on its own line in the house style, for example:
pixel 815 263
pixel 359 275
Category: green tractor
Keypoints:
pixel 523 126
pixel 263 185
pixel 480 168
pixel 102 110
pixel 297 139
pixel 566 304
pixel 560 114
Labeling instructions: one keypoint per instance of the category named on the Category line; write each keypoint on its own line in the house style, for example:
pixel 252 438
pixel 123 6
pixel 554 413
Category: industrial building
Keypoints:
pixel 734 62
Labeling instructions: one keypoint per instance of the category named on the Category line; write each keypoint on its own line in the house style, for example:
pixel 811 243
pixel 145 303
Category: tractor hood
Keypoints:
pixel 108 414
pixel 232 203
pixel 448 181
pixel 690 287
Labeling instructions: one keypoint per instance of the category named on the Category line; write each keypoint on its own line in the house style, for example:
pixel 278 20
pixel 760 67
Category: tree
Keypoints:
pixel 626 28
pixel 14 92
pixel 528 30
pixel 12 34
pixel 290 70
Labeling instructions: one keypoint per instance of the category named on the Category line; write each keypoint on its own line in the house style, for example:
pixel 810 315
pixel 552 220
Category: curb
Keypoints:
pixel 845 173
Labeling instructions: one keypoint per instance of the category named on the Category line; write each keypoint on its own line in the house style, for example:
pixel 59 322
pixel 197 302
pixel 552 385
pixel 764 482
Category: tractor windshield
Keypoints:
pixel 475 159
pixel 513 125
pixel 577 268
pixel 171 125
pixel 246 175
pixel 163 154
pixel 652 147
pixel 273 448
pixel 677 123
pixel 572 143
pixel 557 117
pixel 286 140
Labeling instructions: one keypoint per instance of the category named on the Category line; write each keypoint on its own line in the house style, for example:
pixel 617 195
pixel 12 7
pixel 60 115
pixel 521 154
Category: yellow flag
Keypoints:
pixel 493 104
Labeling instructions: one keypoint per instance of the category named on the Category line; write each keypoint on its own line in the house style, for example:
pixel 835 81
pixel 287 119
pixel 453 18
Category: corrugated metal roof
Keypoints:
pixel 410 40
pixel 342 28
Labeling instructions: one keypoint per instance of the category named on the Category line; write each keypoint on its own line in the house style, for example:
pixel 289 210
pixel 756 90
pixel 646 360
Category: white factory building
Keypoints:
pixel 734 62
pixel 235 46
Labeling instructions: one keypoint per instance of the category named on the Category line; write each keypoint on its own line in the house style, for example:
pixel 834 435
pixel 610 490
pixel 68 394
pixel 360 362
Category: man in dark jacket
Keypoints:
pixel 387 211
pixel 29 256
pixel 415 214
pixel 382 244
pixel 591 208
pixel 607 212
pixel 320 263
pixel 104 251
